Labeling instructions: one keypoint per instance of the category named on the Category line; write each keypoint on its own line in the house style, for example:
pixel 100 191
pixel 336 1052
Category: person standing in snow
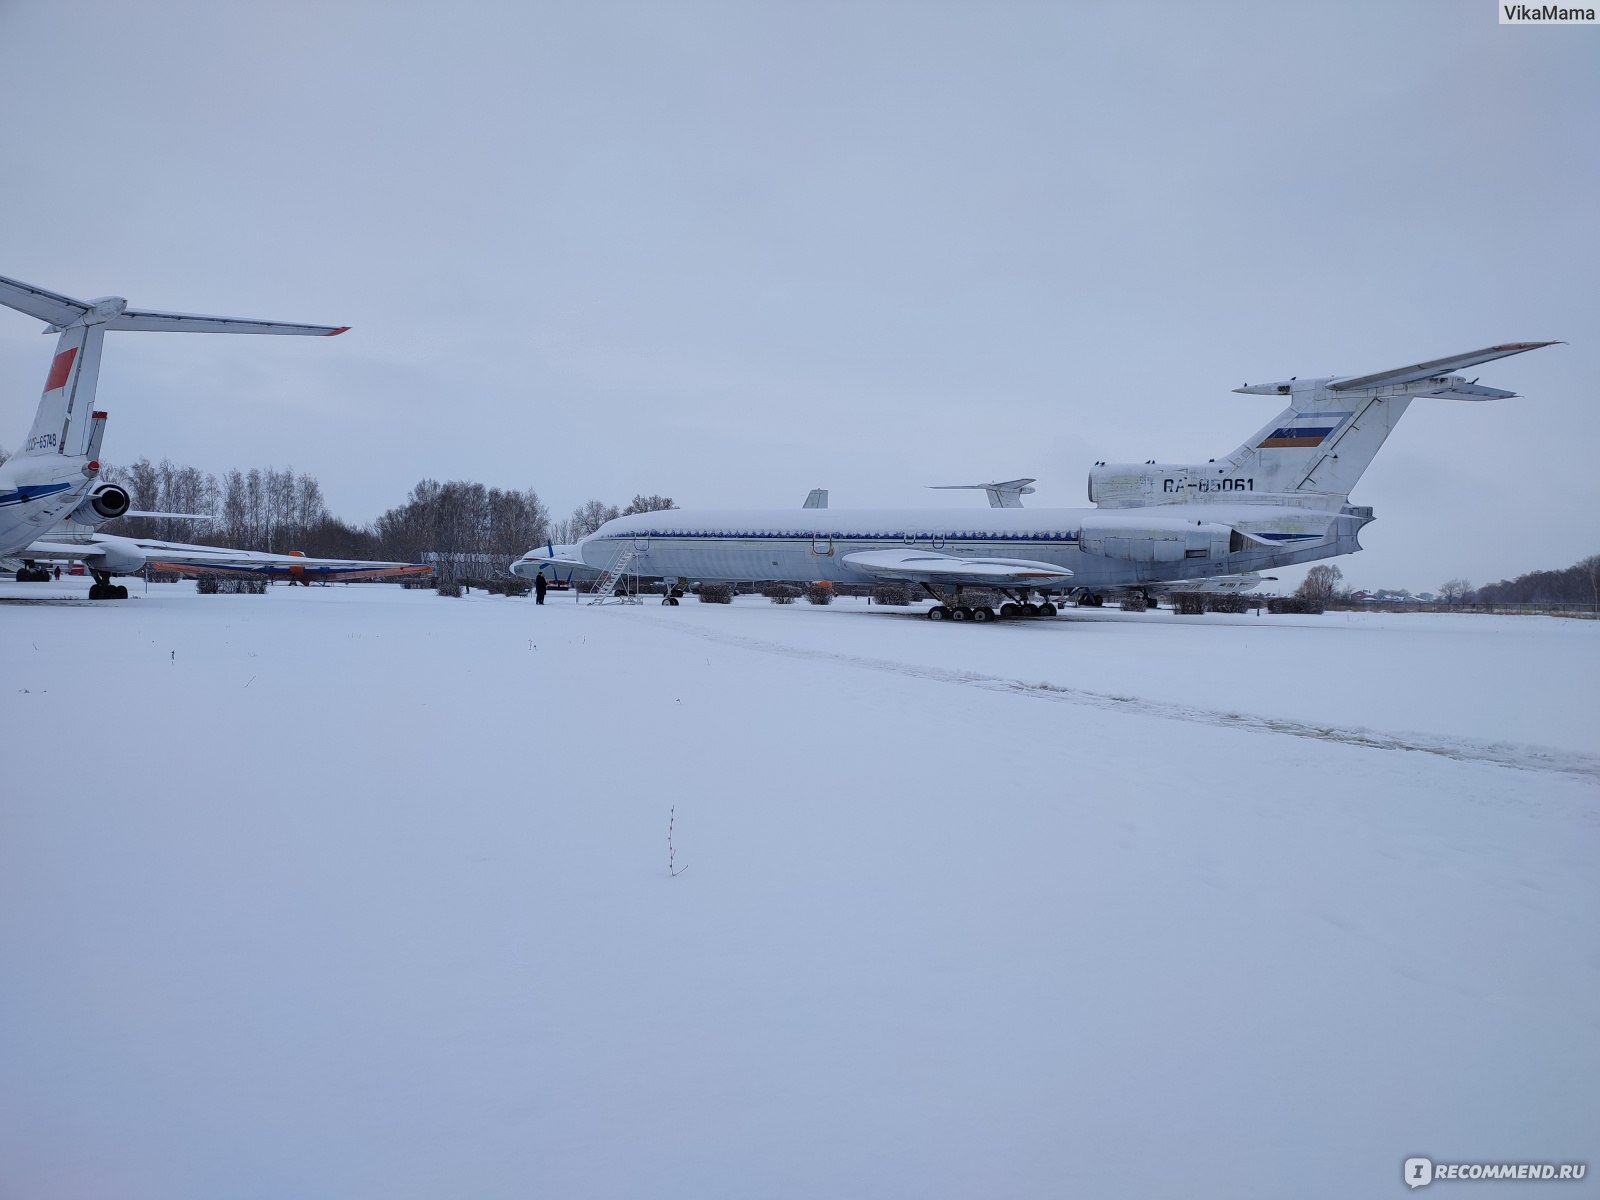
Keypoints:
pixel 539 586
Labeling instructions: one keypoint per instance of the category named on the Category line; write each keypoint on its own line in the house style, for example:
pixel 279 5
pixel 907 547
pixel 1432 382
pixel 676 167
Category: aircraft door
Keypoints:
pixel 822 545
pixel 641 545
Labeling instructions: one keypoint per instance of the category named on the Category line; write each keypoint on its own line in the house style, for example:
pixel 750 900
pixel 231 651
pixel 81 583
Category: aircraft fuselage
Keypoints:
pixel 786 544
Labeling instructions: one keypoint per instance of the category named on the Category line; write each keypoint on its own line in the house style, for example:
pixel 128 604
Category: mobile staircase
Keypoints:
pixel 606 589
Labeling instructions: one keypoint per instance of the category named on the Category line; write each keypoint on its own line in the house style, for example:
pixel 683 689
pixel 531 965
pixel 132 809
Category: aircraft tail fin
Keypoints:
pixel 63 423
pixel 1334 427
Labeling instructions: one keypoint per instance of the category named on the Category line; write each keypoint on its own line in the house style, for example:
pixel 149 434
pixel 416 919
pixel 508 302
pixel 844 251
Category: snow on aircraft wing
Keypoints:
pixel 50 551
pixel 924 566
pixel 121 553
pixel 60 311
pixel 207 560
pixel 50 307
pixel 1438 366
pixel 168 322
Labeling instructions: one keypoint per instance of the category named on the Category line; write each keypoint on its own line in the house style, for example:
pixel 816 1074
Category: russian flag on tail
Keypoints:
pixel 1303 430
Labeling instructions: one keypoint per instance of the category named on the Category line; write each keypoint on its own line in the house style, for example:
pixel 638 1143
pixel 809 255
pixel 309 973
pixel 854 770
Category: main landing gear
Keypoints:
pixel 104 589
pixel 28 573
pixel 1019 605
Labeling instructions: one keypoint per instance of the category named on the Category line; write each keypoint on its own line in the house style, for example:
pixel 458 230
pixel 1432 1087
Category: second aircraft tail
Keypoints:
pixel 63 422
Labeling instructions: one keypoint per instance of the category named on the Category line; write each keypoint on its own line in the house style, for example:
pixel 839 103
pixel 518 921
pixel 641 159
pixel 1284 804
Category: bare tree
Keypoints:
pixel 643 504
pixel 1454 591
pixel 588 517
pixel 1589 570
pixel 1321 584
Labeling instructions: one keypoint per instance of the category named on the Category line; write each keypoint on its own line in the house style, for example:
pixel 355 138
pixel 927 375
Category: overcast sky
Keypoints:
pixel 732 251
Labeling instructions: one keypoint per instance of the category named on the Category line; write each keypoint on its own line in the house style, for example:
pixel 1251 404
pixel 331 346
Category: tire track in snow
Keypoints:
pixel 1516 755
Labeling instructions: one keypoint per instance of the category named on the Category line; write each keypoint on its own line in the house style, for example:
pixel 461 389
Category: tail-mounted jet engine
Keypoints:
pixel 105 502
pixel 1153 539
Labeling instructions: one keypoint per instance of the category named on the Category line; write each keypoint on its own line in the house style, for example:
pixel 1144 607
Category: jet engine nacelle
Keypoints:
pixel 105 502
pixel 1155 540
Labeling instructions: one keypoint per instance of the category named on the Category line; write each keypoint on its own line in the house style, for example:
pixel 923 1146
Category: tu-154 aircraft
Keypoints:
pixel 1280 498
pixel 52 500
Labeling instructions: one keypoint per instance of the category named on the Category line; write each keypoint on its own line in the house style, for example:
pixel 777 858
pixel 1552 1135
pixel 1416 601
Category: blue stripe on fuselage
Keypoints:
pixel 32 491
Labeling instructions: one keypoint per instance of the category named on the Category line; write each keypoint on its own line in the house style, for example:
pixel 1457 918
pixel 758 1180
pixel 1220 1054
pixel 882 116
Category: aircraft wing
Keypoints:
pixel 127 556
pixel 568 562
pixel 925 566
pixel 216 560
pixel 51 551
pixel 1438 366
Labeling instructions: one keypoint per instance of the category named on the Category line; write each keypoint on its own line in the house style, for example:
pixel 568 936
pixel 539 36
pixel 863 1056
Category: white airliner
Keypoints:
pixel 1280 498
pixel 52 501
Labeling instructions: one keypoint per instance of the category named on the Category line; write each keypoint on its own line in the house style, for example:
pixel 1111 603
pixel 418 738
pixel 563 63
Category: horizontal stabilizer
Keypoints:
pixel 165 322
pixel 1438 366
pixel 922 566
pixel 50 307
pixel 111 312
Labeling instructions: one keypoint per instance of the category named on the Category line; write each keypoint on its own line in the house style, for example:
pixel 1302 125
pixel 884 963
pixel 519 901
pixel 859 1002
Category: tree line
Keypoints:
pixel 279 510
pixel 1577 584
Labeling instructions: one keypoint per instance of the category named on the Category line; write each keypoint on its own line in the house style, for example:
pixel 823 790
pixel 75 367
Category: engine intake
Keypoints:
pixel 105 502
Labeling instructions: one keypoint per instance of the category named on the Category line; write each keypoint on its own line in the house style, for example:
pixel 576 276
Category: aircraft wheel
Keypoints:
pixel 95 592
pixel 1047 609
pixel 24 575
pixel 1030 609
pixel 983 615
pixel 120 592
pixel 1010 609
pixel 961 613
pixel 938 613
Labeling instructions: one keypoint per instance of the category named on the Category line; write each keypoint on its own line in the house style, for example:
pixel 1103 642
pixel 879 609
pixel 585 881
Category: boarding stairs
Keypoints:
pixel 606 589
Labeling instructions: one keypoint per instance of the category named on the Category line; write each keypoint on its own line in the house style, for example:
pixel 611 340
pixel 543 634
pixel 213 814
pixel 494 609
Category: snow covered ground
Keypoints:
pixel 356 891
